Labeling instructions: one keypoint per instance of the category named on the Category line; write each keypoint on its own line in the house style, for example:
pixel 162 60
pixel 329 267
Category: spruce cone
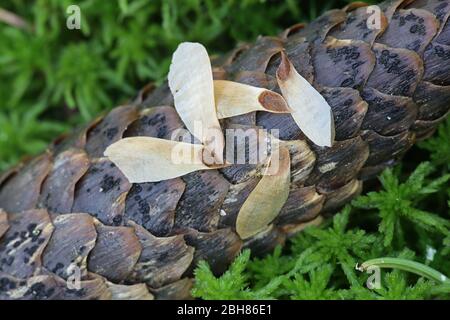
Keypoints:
pixel 70 212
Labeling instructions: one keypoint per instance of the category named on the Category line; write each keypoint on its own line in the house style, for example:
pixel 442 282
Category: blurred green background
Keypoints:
pixel 53 78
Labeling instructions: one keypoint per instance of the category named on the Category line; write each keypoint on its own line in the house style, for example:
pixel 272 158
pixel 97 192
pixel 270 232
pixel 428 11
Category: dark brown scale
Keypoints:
pixel 439 8
pixel 144 93
pixel 348 110
pixel 339 164
pixel 115 253
pixel 102 192
pixel 244 142
pixel 58 190
pixel 273 121
pixel 433 101
pixel 73 238
pixel 351 63
pixel 444 36
pixel 77 140
pixel 21 191
pixel 252 59
pixel 92 289
pixel 437 64
pixel 257 79
pixel 293 229
pixel 178 290
pixel 200 204
pixel 424 129
pixel 298 51
pixel 236 196
pixel 303 160
pixel 290 32
pixel 372 172
pixel 162 261
pixel 41 287
pixel 240 173
pixel 5 176
pixel 336 199
pixel 228 58
pixel 397 71
pixel 388 114
pixel 303 204
pixel 7 283
pixel 265 241
pixel 161 96
pixel 385 148
pixel 152 205
pixel 417 27
pixel 158 122
pixel 352 6
pixel 129 292
pixel 356 26
pixel 218 248
pixel 248 119
pixel 318 29
pixel 110 130
pixel 22 245
pixel 389 7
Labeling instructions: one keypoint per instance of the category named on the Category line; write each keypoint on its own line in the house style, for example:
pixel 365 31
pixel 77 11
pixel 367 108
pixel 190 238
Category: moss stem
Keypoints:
pixel 406 265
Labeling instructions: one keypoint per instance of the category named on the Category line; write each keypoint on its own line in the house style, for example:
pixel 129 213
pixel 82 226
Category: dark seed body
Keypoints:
pixel 70 208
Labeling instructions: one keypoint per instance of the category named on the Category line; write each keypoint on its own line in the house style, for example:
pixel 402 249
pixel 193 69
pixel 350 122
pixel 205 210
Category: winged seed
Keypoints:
pixel 267 199
pixel 234 99
pixel 191 83
pixel 311 111
pixel 146 159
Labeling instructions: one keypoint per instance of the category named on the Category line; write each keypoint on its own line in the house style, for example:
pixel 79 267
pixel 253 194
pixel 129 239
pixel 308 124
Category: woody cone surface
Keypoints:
pixel 70 212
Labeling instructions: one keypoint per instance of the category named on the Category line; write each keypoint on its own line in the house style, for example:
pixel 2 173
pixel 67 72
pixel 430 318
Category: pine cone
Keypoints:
pixel 70 213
